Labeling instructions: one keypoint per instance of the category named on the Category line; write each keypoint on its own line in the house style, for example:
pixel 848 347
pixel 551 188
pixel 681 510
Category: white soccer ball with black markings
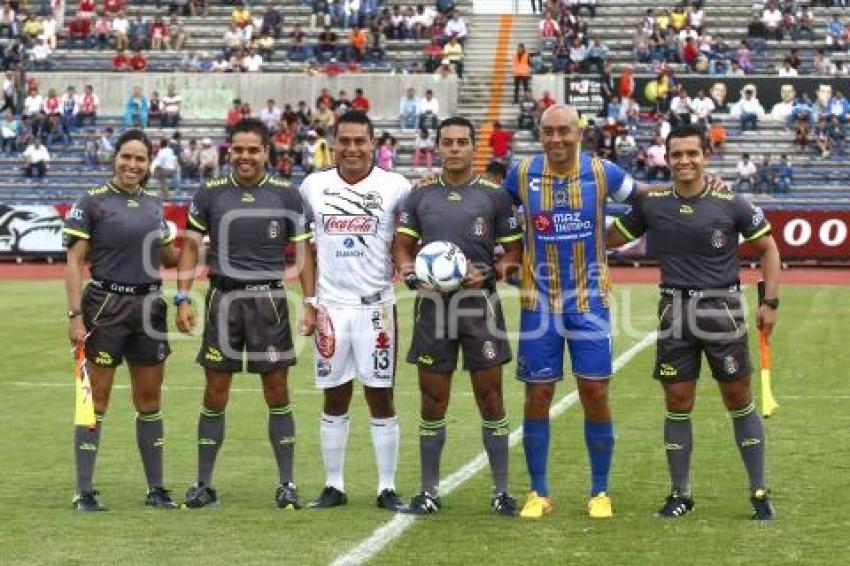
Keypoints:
pixel 441 265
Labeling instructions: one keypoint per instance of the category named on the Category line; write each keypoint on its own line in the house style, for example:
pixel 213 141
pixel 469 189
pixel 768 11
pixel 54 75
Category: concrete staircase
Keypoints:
pixel 478 88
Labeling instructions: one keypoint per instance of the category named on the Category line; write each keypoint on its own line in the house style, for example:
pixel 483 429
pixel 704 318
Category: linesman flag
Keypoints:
pixel 768 402
pixel 84 406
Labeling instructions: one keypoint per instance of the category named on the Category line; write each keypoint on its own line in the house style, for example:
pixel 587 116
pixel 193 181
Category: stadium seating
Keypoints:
pixel 815 179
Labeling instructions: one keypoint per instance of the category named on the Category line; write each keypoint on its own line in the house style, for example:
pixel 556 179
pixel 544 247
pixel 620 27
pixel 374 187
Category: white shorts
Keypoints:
pixel 355 342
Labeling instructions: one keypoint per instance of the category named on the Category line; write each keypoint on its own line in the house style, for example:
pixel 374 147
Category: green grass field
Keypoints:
pixel 809 464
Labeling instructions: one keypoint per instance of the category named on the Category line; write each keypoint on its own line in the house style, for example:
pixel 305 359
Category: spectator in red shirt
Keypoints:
pixel 112 7
pixel 360 102
pixel 234 114
pixel 87 7
pixel 333 68
pixel 690 52
pixel 79 29
pixel 545 102
pixel 120 62
pixel 433 56
pixel 500 142
pixel 138 61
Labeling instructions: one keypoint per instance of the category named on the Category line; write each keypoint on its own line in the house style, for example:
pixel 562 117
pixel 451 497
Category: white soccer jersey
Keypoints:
pixel 354 227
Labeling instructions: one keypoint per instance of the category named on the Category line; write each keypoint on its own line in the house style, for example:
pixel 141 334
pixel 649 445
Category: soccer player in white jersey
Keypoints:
pixel 353 208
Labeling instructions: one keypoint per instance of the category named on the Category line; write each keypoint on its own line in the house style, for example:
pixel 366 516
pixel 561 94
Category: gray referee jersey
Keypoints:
pixel 694 239
pixel 125 232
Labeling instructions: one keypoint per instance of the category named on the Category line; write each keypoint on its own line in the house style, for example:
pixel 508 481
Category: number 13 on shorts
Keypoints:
pixel 355 342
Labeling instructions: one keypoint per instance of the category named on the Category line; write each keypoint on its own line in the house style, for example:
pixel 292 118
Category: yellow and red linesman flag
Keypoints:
pixel 84 407
pixel 768 402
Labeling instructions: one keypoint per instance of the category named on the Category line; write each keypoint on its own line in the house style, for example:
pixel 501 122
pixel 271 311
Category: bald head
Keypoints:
pixel 560 135
pixel 559 114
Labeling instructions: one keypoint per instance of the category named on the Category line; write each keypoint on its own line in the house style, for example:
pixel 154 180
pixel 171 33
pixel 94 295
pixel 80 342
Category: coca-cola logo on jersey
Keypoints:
pixel 350 224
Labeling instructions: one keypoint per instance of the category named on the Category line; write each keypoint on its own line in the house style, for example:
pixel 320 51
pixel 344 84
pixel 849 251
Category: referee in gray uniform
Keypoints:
pixel 693 232
pixel 463 208
pixel 250 218
pixel 121 315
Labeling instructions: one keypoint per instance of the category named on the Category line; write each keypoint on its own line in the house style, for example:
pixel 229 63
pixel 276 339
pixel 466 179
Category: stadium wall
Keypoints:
pixel 208 96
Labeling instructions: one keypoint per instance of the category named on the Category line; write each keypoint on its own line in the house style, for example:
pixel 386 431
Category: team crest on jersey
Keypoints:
pixel 489 350
pixel 718 239
pixel 372 200
pixel 479 228
pixel 274 230
pixel 730 364
pixel 560 195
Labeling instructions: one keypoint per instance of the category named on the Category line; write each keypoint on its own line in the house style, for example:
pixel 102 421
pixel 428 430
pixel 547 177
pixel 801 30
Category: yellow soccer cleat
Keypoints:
pixel 536 506
pixel 599 506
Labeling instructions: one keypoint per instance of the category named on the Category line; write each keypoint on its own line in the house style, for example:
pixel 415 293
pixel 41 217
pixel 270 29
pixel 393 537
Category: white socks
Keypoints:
pixel 333 431
pixel 385 435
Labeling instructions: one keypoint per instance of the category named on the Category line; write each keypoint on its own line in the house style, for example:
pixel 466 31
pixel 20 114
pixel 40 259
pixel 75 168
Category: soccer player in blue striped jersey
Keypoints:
pixel 564 285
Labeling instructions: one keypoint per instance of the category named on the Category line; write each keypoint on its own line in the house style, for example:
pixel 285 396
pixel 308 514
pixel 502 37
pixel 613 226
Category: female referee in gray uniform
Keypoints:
pixel 120 228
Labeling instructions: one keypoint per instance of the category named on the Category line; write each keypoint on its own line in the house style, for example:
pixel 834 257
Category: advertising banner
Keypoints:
pixel 800 234
pixel 37 229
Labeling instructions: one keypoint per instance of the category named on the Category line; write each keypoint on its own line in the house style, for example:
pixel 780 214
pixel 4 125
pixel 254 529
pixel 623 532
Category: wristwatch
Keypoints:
pixel 182 298
pixel 74 313
pixel 772 303
pixel 311 301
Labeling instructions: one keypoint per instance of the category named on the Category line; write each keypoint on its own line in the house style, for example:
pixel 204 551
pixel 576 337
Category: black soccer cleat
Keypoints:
pixel 160 497
pixel 389 500
pixel 504 504
pixel 286 497
pixel 330 497
pixel 762 507
pixel 87 501
pixel 423 504
pixel 199 496
pixel 675 507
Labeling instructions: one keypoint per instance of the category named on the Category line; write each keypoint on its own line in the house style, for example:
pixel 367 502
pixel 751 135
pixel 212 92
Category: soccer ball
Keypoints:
pixel 441 265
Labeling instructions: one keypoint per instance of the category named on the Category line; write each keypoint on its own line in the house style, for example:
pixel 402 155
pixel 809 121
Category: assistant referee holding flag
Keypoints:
pixel 120 227
pixel 693 232
pixel 250 218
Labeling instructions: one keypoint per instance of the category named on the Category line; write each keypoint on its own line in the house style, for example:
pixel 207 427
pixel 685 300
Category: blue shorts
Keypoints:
pixel 541 345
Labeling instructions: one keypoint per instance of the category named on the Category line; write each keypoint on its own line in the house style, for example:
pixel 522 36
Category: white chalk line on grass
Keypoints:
pixel 395 527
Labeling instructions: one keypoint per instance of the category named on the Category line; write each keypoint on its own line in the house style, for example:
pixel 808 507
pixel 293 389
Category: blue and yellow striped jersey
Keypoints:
pixel 564 267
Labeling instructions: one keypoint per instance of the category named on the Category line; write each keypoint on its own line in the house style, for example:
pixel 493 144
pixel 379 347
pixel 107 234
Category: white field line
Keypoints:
pixel 395 527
